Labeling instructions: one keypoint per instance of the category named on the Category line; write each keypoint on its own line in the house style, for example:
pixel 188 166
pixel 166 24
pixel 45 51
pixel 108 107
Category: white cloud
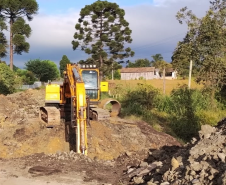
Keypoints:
pixel 154 30
pixel 53 30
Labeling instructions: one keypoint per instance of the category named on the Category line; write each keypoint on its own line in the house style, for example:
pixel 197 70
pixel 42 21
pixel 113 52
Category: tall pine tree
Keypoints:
pixel 102 32
pixel 63 63
pixel 15 11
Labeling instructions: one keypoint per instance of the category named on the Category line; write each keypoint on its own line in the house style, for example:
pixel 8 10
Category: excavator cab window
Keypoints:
pixel 90 78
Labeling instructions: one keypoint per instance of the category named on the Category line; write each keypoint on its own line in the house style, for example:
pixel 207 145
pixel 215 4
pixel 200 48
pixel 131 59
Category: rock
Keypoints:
pixel 221 156
pixel 130 170
pixel 143 164
pixel 174 163
pixel 158 163
pixel 206 131
pixel 195 181
pixel 144 172
pixel 151 183
pixel 138 180
pixel 165 183
pixel 196 166
pixel 129 154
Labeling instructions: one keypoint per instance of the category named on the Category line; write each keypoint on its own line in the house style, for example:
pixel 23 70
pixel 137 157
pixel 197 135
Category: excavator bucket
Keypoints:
pixel 50 115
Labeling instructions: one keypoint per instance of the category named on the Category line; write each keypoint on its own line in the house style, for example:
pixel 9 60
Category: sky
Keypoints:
pixel 153 24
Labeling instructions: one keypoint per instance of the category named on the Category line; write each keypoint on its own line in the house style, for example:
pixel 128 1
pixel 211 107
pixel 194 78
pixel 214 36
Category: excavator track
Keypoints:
pixel 100 114
pixel 50 115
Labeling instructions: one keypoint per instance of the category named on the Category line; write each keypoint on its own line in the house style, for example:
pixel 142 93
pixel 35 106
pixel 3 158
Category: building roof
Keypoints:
pixel 169 70
pixel 137 70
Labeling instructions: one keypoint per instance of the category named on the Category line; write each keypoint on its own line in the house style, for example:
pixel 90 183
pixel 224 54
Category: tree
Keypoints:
pixel 206 43
pixel 43 70
pixel 8 80
pixel 162 66
pixel 15 10
pixel 139 63
pixel 63 63
pixel 27 77
pixel 156 57
pixel 3 41
pixel 101 32
pixel 113 71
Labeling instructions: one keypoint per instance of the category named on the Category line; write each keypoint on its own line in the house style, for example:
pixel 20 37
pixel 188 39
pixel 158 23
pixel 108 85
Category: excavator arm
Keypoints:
pixel 71 95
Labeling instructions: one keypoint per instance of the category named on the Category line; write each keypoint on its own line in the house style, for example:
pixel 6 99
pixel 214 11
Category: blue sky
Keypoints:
pixel 153 24
pixel 59 6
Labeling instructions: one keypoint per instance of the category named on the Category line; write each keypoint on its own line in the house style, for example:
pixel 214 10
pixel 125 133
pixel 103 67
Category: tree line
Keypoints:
pixel 35 70
pixel 103 34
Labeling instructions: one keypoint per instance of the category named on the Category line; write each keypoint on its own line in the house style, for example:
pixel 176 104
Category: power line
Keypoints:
pixel 158 42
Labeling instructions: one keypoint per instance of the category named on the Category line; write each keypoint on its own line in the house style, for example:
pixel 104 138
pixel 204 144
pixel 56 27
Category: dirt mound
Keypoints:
pixel 40 151
pixel 202 162
pixel 119 151
pixel 22 134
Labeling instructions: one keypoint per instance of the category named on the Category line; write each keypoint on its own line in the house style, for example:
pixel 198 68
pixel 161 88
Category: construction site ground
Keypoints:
pixel 32 154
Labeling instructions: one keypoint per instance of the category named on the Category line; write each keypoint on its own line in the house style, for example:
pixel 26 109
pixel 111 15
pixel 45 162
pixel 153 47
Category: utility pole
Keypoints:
pixel 164 80
pixel 112 73
pixel 189 79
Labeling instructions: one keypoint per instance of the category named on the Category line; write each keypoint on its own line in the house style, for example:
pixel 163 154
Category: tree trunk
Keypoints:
pixel 11 44
pixel 101 72
pixel 101 47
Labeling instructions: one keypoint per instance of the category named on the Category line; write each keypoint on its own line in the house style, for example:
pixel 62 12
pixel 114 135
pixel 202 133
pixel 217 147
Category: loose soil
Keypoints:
pixel 120 152
pixel 33 154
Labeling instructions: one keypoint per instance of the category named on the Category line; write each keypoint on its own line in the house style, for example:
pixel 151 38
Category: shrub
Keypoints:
pixel 182 107
pixel 139 100
pixel 8 80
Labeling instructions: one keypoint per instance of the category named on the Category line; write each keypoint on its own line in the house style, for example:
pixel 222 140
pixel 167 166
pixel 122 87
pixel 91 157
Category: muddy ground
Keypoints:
pixel 33 154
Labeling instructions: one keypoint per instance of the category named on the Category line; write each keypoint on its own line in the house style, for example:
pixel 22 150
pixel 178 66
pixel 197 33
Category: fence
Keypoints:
pixel 35 85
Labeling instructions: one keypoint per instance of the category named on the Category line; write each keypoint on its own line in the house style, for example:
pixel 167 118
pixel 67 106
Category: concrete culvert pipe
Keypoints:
pixel 114 105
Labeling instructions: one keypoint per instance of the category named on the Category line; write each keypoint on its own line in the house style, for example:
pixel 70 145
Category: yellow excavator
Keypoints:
pixel 75 102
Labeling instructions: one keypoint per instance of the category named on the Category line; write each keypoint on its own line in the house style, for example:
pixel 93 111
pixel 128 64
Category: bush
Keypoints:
pixel 140 100
pixel 8 80
pixel 186 109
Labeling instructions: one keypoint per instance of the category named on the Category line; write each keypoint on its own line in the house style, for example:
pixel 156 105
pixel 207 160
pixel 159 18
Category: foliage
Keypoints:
pixel 8 80
pixel 156 58
pixel 186 108
pixel 139 63
pixel 43 70
pixel 116 75
pixel 3 41
pixel 101 32
pixel 27 77
pixel 15 11
pixel 63 63
pixel 180 114
pixel 205 44
pixel 115 68
pixel 140 100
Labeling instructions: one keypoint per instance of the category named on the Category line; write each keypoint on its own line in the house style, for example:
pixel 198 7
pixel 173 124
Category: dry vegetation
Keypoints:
pixel 157 83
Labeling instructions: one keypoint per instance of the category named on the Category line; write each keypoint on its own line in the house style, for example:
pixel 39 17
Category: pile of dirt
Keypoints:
pixel 119 151
pixel 202 162
pixel 21 132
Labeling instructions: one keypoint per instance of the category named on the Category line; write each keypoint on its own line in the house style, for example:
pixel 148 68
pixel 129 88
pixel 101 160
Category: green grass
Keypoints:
pixel 179 113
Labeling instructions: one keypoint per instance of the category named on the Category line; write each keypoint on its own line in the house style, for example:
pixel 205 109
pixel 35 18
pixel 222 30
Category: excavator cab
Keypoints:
pixel 90 78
